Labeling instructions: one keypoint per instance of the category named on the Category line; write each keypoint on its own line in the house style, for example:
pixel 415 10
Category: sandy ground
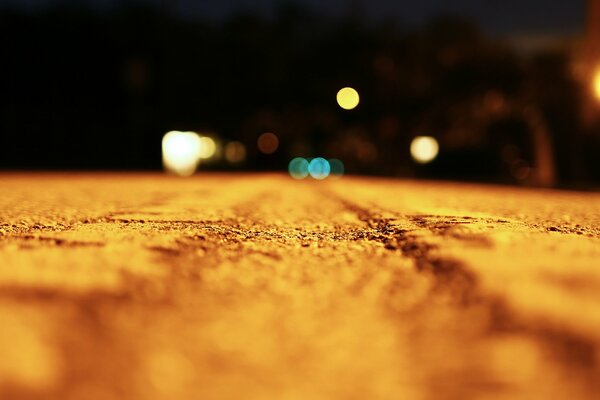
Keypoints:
pixel 262 287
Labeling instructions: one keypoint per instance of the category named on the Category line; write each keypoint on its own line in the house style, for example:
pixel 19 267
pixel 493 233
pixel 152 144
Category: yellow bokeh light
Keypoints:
pixel 424 149
pixel 208 147
pixel 348 98
pixel 181 152
pixel 596 84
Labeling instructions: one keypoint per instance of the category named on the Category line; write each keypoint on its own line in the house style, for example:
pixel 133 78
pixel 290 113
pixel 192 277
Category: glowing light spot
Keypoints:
pixel 424 149
pixel 347 98
pixel 181 152
pixel 235 152
pixel 208 147
pixel 319 168
pixel 337 167
pixel 298 168
pixel 596 84
pixel 494 101
pixel 268 143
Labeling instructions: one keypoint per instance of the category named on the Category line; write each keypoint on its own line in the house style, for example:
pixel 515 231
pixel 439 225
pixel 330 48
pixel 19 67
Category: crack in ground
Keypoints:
pixel 453 276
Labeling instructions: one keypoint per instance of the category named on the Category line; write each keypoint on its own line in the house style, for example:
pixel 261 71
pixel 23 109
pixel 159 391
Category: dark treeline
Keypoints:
pixel 82 90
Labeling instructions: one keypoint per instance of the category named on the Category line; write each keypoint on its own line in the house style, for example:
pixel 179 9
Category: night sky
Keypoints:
pixel 497 17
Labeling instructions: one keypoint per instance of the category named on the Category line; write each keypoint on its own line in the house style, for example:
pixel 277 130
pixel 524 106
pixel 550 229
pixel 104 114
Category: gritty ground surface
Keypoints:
pixel 261 287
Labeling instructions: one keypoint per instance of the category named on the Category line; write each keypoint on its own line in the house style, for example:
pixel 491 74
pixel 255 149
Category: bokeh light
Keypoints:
pixel 208 147
pixel 596 84
pixel 235 152
pixel 298 168
pixel 424 149
pixel 268 143
pixel 319 168
pixel 337 167
pixel 348 98
pixel 520 169
pixel 181 152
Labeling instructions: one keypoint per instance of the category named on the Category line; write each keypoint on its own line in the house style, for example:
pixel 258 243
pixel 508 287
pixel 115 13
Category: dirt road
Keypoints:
pixel 262 287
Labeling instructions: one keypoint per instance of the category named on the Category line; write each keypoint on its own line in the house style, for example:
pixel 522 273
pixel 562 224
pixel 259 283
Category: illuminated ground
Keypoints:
pixel 261 287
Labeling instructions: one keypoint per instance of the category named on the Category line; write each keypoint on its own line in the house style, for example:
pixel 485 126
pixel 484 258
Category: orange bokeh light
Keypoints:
pixel 596 84
pixel 268 143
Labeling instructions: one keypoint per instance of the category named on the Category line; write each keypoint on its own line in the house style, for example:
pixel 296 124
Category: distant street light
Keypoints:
pixel 208 147
pixel 181 152
pixel 298 168
pixel 319 168
pixel 268 143
pixel 596 84
pixel 424 149
pixel 235 152
pixel 347 98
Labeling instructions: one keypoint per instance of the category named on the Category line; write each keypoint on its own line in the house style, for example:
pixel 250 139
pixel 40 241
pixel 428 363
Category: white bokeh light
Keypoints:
pixel 181 152
pixel 424 149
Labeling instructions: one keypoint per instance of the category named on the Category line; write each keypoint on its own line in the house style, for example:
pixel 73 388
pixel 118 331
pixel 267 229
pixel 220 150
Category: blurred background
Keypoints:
pixel 496 91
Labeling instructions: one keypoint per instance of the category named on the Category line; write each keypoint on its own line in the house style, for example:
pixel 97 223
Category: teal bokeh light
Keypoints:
pixel 298 168
pixel 337 167
pixel 319 168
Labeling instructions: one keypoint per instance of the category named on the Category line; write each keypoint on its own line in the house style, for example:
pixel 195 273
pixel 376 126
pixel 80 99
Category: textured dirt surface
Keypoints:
pixel 261 287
